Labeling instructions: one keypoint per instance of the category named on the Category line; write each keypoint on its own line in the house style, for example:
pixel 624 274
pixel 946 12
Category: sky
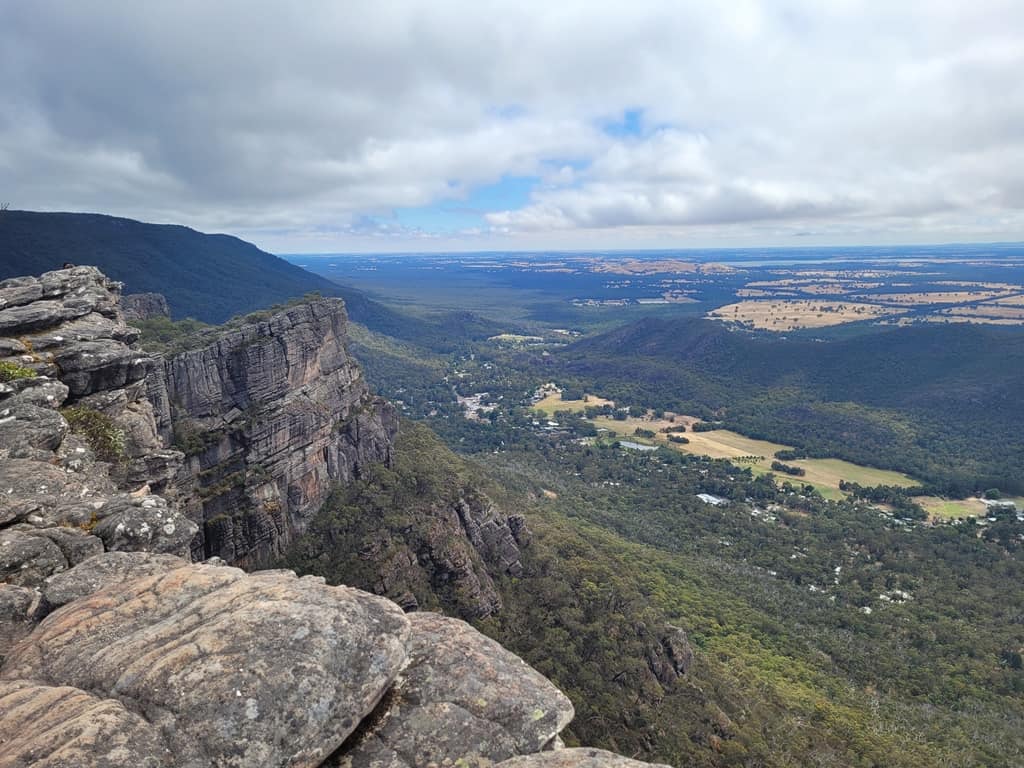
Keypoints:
pixel 477 125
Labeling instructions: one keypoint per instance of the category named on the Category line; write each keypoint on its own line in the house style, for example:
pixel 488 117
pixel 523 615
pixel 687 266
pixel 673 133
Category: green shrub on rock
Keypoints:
pixel 99 431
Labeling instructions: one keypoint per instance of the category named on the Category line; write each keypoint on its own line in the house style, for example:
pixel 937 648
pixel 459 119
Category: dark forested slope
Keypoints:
pixel 209 277
pixel 938 401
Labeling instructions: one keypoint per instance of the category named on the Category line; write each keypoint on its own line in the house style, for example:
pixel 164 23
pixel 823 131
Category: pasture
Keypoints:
pixel 950 509
pixel 793 314
pixel 823 474
pixel 554 402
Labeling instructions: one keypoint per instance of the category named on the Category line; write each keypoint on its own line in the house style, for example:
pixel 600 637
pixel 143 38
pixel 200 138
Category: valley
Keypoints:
pixel 823 474
pixel 698 605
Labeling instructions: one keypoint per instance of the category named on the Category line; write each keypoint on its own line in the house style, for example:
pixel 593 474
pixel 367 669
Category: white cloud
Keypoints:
pixel 292 122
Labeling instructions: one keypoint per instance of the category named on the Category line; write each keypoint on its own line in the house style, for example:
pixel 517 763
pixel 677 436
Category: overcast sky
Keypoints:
pixel 387 125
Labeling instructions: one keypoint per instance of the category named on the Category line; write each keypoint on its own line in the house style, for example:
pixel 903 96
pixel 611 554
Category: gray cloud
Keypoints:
pixel 291 123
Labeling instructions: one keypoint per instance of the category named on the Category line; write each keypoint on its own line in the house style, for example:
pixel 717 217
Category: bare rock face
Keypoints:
pixel 579 757
pixel 21 609
pixel 60 727
pixel 234 670
pixel 271 415
pixel 143 306
pixel 27 560
pixel 67 327
pixel 463 699
pixel 670 656
pixel 144 524
pixel 104 570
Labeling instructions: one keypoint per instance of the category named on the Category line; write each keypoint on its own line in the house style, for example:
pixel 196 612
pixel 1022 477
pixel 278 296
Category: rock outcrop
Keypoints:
pixel 143 306
pixel 461 694
pixel 446 550
pixel 234 670
pixel 271 416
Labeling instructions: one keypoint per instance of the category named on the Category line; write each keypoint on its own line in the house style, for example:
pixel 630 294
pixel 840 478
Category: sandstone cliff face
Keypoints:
pixel 271 416
pixel 143 306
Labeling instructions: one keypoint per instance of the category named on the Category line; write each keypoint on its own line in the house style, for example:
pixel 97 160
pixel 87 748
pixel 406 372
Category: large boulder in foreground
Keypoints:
pixel 235 670
pixel 59 727
pixel 463 700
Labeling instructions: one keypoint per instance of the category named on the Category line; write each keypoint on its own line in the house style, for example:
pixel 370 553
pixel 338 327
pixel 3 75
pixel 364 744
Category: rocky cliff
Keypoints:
pixel 116 650
pixel 418 531
pixel 270 416
pixel 143 306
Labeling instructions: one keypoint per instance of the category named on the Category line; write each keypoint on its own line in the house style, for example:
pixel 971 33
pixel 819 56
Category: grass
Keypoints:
pixel 793 314
pixel 823 474
pixel 950 509
pixel 930 297
pixel 99 431
pixel 514 338
pixel 554 402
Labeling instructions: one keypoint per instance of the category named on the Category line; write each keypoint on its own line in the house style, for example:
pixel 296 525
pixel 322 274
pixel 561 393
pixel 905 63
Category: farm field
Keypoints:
pixel 554 402
pixel 823 474
pixel 793 314
pixel 947 509
pixel 931 297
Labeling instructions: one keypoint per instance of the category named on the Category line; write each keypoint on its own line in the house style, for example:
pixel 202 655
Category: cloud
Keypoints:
pixel 298 123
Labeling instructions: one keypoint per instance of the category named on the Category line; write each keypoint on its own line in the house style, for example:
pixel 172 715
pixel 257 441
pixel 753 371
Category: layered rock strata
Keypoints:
pixel 271 416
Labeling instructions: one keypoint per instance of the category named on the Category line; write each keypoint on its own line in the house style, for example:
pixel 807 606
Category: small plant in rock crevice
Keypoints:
pixel 11 371
pixel 104 437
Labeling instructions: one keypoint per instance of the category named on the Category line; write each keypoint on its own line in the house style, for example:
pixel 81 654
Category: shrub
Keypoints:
pixel 10 371
pixel 99 431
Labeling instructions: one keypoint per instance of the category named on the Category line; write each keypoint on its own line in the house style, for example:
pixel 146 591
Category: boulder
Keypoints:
pixel 59 727
pixel 27 560
pixel 75 544
pixel 28 431
pixel 147 523
pixel 235 670
pixel 20 610
pixel 104 364
pixel 143 306
pixel 104 570
pixel 38 390
pixel 463 699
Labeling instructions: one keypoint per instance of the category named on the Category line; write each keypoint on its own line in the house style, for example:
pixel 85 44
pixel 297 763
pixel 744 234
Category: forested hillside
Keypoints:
pixel 939 402
pixel 775 630
pixel 207 277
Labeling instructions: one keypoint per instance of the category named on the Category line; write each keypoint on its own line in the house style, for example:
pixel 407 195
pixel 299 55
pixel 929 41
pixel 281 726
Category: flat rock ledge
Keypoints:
pixel 463 699
pixel 232 670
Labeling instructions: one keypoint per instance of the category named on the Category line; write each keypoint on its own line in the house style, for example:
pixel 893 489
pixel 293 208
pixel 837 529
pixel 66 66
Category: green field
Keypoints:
pixel 823 474
pixel 950 509
pixel 554 402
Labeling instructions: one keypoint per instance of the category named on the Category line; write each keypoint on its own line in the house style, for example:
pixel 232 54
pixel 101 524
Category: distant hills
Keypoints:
pixel 208 277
